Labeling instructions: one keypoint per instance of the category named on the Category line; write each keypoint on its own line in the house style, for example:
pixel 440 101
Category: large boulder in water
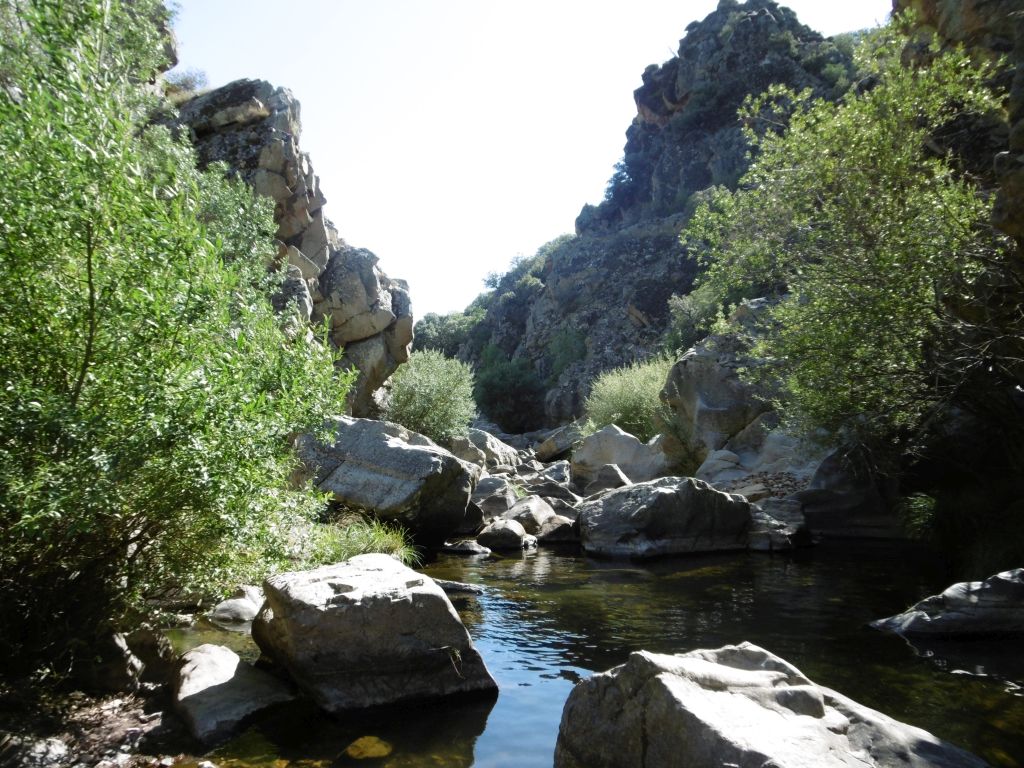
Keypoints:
pixel 994 606
pixel 669 516
pixel 393 473
pixel 737 705
pixel 367 632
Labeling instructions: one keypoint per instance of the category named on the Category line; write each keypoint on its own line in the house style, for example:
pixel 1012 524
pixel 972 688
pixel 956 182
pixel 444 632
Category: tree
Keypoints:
pixel 147 389
pixel 868 232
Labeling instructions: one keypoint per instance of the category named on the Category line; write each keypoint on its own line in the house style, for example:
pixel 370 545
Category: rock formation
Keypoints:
pixel 254 128
pixel 367 632
pixel 397 475
pixel 739 705
pixel 610 284
pixel 994 606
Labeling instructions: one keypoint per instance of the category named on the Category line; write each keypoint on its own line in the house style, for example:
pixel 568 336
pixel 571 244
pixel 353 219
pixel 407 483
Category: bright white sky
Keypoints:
pixel 452 135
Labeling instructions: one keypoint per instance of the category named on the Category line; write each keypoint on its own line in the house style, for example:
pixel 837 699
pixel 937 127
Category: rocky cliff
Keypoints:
pixel 608 286
pixel 254 128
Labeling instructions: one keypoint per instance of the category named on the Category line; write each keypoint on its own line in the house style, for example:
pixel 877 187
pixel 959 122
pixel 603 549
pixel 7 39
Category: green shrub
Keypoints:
pixel 567 346
pixel 628 397
pixel 433 395
pixel 147 390
pixel 692 318
pixel 509 391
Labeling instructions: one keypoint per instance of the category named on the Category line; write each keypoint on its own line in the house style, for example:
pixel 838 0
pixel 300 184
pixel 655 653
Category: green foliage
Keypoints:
pixel 446 333
pixel 567 346
pixel 629 398
pixel 147 391
pixel 509 391
pixel 433 395
pixel 693 317
pixel 865 233
pixel 354 535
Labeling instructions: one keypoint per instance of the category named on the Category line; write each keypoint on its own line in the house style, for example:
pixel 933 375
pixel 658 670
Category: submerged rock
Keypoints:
pixel 214 691
pixel 990 607
pixel 669 516
pixel 737 705
pixel 367 632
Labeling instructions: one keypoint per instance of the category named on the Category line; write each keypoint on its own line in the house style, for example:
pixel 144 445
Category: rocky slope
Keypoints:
pixel 254 128
pixel 609 285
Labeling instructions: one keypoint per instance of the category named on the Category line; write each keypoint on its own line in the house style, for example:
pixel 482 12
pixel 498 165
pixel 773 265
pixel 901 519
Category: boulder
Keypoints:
pixel 506 536
pixel 994 606
pixel 240 608
pixel 558 530
pixel 154 650
pixel 465 450
pixel 367 632
pixel 494 495
pixel 559 442
pixel 391 472
pixel 108 666
pixel 669 516
pixel 552 490
pixel 638 461
pixel 738 705
pixel 531 513
pixel 496 453
pixel 608 477
pixel 214 691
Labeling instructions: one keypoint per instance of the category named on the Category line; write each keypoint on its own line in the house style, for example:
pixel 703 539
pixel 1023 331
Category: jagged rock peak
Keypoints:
pixel 686 136
pixel 254 128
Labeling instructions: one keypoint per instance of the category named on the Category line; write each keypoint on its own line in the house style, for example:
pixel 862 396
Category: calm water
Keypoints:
pixel 548 620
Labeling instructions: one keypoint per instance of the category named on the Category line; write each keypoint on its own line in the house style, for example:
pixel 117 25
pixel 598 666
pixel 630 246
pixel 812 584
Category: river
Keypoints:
pixel 547 619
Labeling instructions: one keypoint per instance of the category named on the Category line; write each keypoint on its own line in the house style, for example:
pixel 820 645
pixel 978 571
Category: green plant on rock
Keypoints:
pixel 354 534
pixel 147 390
pixel 629 398
pixel 433 395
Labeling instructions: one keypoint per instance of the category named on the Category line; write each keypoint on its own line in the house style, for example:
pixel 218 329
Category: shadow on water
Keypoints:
pixel 547 619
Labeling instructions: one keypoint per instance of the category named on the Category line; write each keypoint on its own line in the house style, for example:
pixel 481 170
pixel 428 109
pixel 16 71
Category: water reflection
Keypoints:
pixel 548 619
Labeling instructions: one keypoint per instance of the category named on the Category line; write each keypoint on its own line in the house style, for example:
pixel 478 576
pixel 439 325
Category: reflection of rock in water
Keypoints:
pixel 420 735
pixel 998 658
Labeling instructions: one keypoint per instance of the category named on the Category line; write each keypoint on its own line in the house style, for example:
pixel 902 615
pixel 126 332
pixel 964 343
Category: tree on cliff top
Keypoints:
pixel 147 390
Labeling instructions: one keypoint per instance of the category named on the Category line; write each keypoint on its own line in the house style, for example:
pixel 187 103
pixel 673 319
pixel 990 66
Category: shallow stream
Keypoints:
pixel 546 620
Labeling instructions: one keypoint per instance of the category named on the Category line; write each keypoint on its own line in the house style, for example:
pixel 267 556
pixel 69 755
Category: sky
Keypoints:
pixel 452 135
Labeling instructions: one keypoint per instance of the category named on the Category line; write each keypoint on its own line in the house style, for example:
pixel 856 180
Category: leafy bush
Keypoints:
pixel 433 395
pixel 509 391
pixel 629 398
pixel 446 333
pixel 147 391
pixel 870 238
pixel 692 318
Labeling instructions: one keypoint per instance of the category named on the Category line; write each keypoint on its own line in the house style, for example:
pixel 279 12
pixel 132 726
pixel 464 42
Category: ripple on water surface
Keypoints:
pixel 547 619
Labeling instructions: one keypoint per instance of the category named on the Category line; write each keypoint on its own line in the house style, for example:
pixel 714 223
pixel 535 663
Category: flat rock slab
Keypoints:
pixel 994 606
pixel 367 632
pixel 735 706
pixel 214 691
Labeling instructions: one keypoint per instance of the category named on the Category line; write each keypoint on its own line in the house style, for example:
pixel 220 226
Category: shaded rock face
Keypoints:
pixel 393 473
pixel 367 632
pixel 737 705
pixel 994 606
pixel 609 286
pixel 669 516
pixel 254 128
pixel 214 691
